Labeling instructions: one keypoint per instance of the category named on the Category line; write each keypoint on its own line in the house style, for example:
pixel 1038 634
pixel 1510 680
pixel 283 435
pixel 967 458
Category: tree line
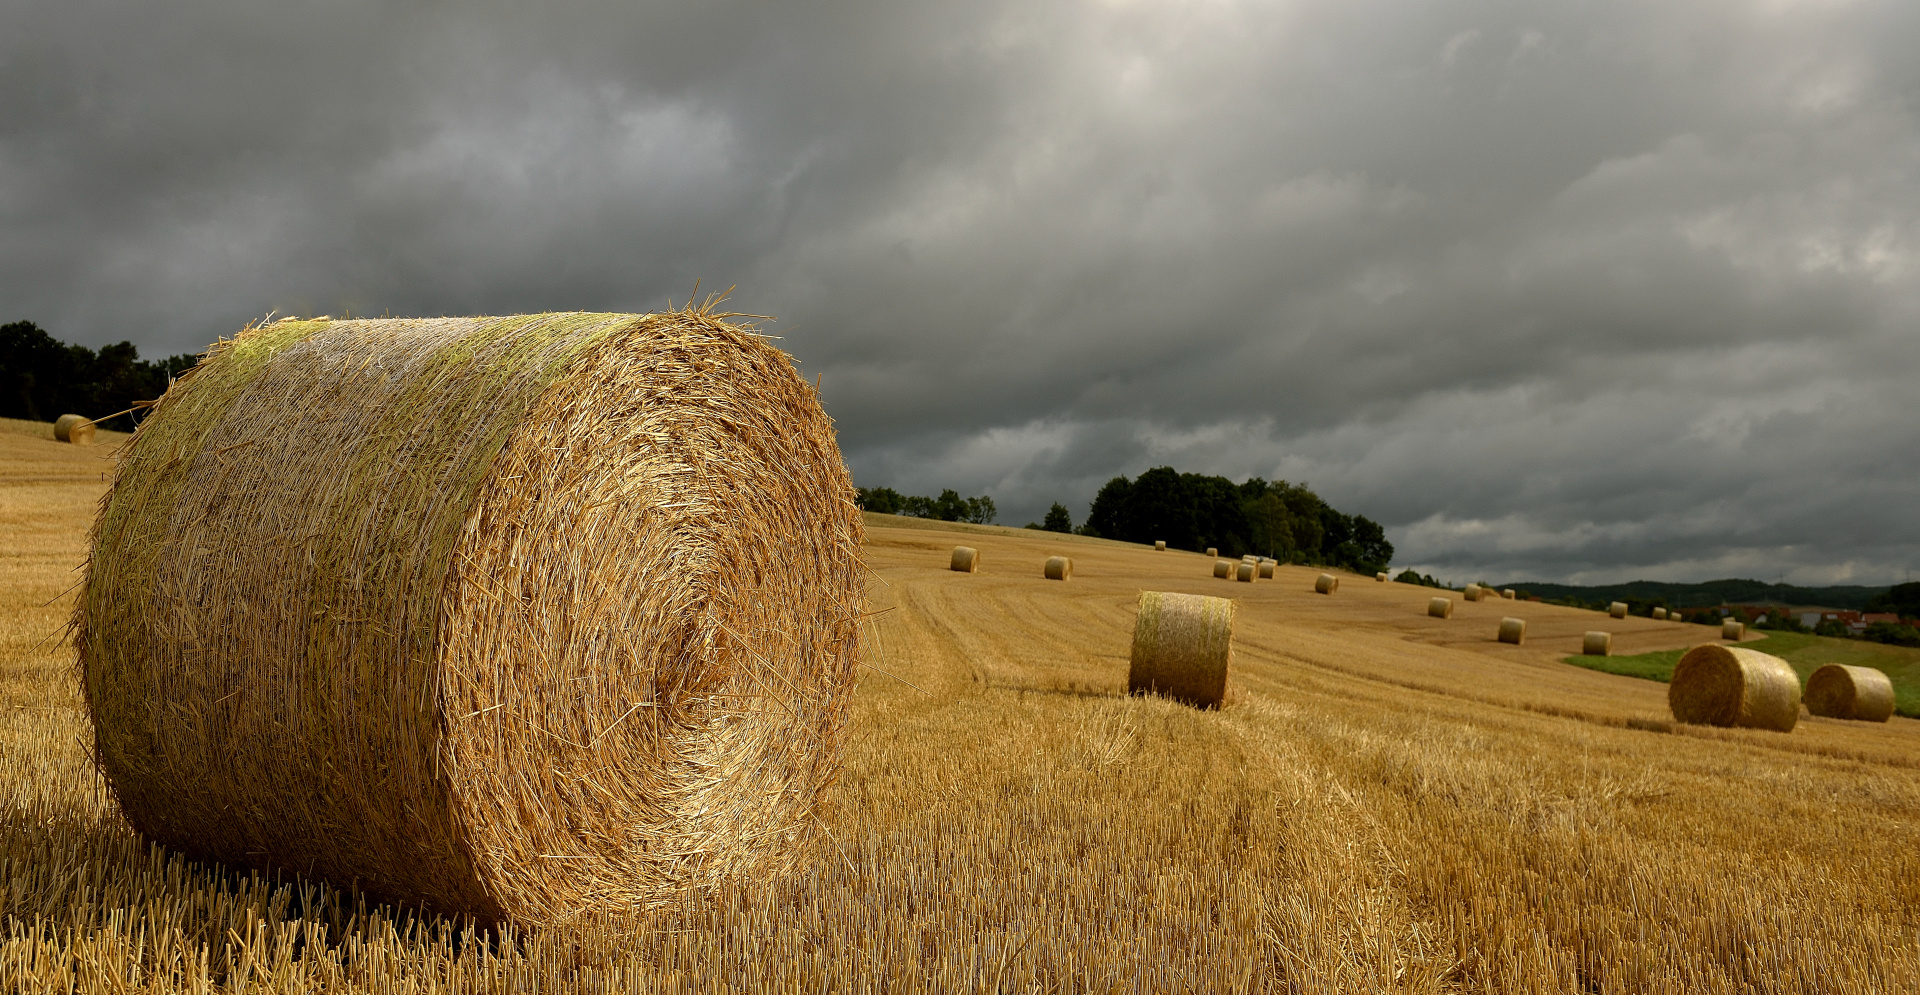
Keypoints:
pixel 1192 511
pixel 42 378
pixel 948 507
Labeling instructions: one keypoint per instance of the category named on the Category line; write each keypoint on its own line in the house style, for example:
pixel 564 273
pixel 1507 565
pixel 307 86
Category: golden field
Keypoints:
pixel 1389 802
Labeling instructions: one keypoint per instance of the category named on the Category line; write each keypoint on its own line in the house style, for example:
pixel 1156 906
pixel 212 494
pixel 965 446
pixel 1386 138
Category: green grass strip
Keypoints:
pixel 1804 653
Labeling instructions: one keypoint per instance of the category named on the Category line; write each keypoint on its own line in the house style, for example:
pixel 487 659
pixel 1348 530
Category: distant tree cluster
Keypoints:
pixel 1423 580
pixel 42 378
pixel 1901 598
pixel 1191 511
pixel 948 507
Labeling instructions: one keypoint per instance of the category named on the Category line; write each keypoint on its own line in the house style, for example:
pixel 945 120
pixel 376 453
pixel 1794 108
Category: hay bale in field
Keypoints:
pixel 1471 593
pixel 1326 584
pixel 580 634
pixel 1213 551
pixel 1440 607
pixel 1223 569
pixel 1381 576
pixel 1507 594
pixel 1182 647
pixel 965 559
pixel 1732 630
pixel 1250 558
pixel 1266 570
pixel 1059 568
pixel 1660 613
pixel 1838 691
pixel 1160 545
pixel 1246 572
pixel 1513 630
pixel 74 429
pixel 1730 686
pixel 1617 610
pixel 1597 644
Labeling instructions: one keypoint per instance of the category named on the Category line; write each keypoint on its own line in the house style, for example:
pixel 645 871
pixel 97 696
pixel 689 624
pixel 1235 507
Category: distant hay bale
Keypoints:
pixel 1160 545
pixel 1659 613
pixel 1213 551
pixel 1732 630
pixel 1059 568
pixel 531 619
pixel 1182 647
pixel 965 559
pixel 1472 592
pixel 1440 607
pixel 1246 572
pixel 74 429
pixel 1617 610
pixel 1381 576
pixel 1266 570
pixel 1250 558
pixel 1838 691
pixel 1513 630
pixel 1223 569
pixel 1597 644
pixel 1731 686
pixel 1507 594
pixel 1326 584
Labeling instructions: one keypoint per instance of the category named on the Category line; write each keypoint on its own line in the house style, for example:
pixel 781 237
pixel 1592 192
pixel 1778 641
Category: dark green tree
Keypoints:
pixel 1058 519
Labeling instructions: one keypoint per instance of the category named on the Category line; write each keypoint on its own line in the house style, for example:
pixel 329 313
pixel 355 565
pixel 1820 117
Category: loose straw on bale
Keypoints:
pixel 1440 607
pixel 1160 545
pixel 1326 584
pixel 1223 569
pixel 1266 569
pixel 1245 572
pixel 1617 610
pixel 1597 644
pixel 965 559
pixel 74 429
pixel 1838 691
pixel 1182 647
pixel 1513 630
pixel 1059 568
pixel 523 618
pixel 1729 686
pixel 1732 630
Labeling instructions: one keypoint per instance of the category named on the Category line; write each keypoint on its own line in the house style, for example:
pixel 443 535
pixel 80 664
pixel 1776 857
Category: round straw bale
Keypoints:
pixel 1617 610
pixel 1212 551
pixel 1266 570
pixel 581 637
pixel 1838 691
pixel 1182 647
pixel 965 559
pixel 1160 545
pixel 1250 558
pixel 1223 569
pixel 1730 629
pixel 1730 686
pixel 1513 630
pixel 1440 607
pixel 1059 568
pixel 74 429
pixel 1660 613
pixel 1472 592
pixel 1326 584
pixel 1507 594
pixel 1597 644
pixel 1381 576
pixel 1246 572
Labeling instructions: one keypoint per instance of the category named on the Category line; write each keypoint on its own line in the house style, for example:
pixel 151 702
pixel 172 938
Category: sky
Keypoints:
pixel 1574 292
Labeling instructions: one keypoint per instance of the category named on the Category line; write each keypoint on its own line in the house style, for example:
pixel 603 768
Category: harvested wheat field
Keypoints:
pixel 1387 801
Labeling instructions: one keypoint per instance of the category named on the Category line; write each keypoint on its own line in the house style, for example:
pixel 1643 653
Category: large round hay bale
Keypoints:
pixel 1617 610
pixel 1059 568
pixel 1246 572
pixel 1213 551
pixel 1597 644
pixel 1471 593
pixel 1223 569
pixel 1729 686
pixel 1381 576
pixel 965 559
pixel 1507 594
pixel 1513 630
pixel 1326 584
pixel 1838 691
pixel 1250 558
pixel 1160 545
pixel 1440 607
pixel 581 636
pixel 1182 647
pixel 1660 613
pixel 74 429
pixel 1732 630
pixel 1266 569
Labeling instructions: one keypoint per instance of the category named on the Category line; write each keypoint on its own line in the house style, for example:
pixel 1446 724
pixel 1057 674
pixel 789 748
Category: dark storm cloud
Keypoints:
pixel 1554 291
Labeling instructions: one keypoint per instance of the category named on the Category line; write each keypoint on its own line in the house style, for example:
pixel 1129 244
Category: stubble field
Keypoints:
pixel 1388 802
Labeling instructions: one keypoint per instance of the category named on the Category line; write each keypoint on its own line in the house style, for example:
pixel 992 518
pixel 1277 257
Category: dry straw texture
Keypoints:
pixel 1440 607
pixel 1730 629
pixel 1718 685
pixel 74 429
pixel 1381 576
pixel 1326 584
pixel 1246 572
pixel 1659 613
pixel 1160 545
pixel 579 636
pixel 1266 570
pixel 1182 647
pixel 1838 691
pixel 1618 609
pixel 1223 569
pixel 965 559
pixel 1513 630
pixel 1059 568
pixel 1597 644
pixel 1472 592
pixel 1213 551
pixel 1250 558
